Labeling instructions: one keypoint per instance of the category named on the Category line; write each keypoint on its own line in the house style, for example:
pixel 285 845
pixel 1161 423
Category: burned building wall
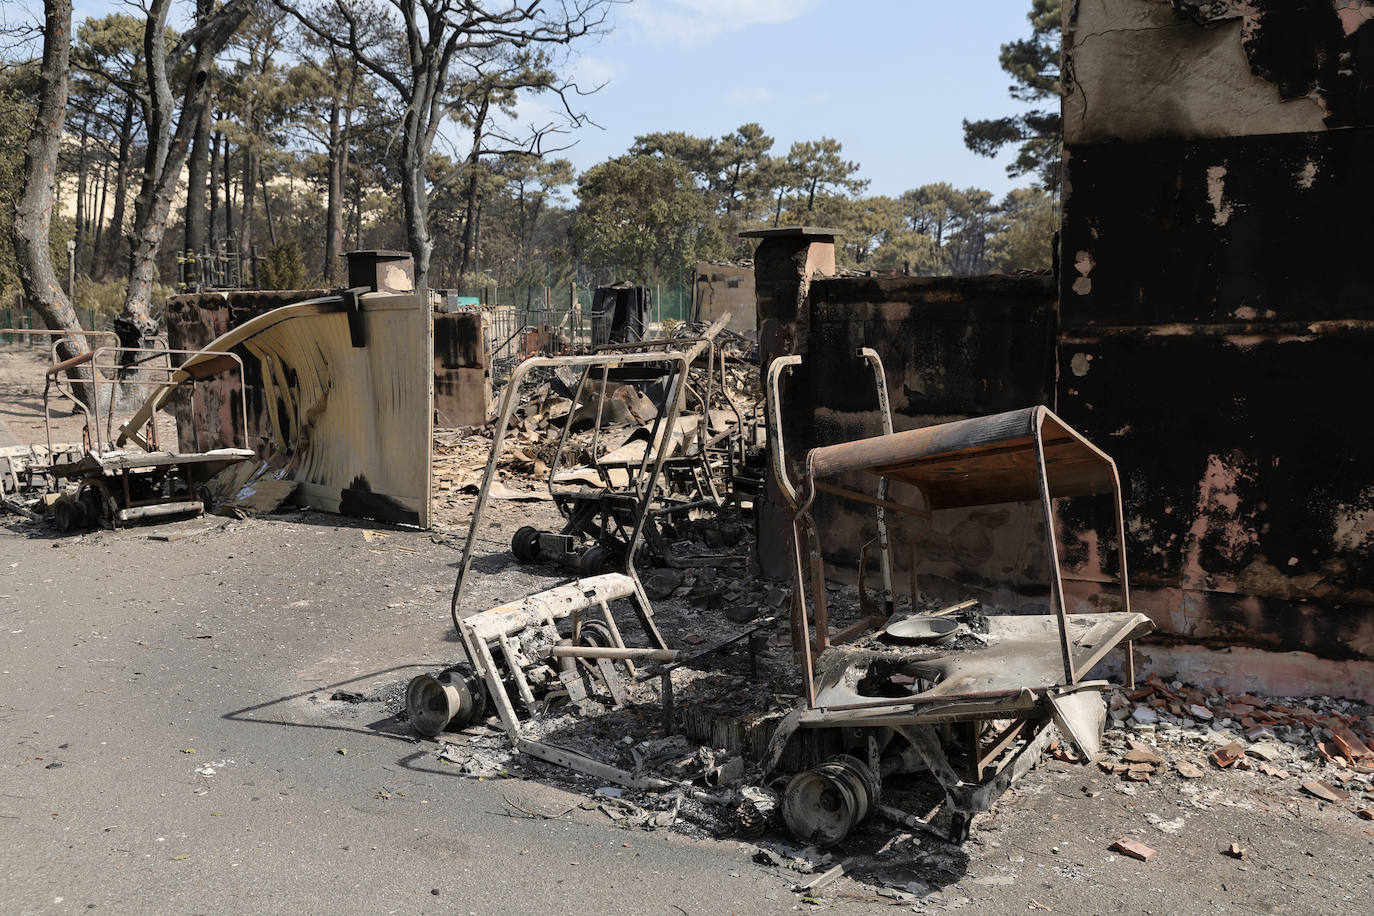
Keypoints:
pixel 1216 310
pixel 195 319
pixel 952 347
pixel 719 288
pixel 462 369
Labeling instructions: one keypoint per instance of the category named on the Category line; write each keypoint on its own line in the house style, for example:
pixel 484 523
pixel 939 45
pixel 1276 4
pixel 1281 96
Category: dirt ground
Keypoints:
pixel 22 376
pixel 207 715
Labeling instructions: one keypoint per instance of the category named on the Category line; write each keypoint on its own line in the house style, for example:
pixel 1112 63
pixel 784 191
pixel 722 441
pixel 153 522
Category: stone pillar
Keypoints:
pixel 785 263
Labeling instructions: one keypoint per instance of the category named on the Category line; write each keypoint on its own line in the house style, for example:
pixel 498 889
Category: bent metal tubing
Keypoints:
pixel 681 363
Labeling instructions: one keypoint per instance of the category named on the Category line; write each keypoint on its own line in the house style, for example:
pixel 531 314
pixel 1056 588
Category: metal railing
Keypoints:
pixel 138 360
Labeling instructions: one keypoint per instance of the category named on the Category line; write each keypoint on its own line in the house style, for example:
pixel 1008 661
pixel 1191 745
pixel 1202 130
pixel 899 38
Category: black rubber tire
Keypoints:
pixel 599 560
pixel 66 515
pixel 525 544
pixel 596 633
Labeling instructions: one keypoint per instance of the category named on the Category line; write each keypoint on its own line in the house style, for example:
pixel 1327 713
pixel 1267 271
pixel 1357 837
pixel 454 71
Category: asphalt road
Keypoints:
pixel 121 655
pixel 170 747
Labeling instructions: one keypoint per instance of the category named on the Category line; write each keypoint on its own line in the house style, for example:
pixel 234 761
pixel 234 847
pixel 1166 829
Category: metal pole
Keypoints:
pixel 1056 578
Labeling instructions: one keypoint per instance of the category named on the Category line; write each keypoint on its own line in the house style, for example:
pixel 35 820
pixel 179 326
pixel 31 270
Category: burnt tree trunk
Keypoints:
pixel 415 196
pixel 114 239
pixel 228 193
pixel 266 205
pixel 212 236
pixel 100 211
pixel 33 212
pixel 247 188
pixel 82 211
pixel 197 233
pixel 338 153
pixel 168 148
pixel 474 190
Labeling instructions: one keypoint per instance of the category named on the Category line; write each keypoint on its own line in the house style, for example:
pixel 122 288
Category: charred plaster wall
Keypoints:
pixel 1217 310
pixel 721 288
pixel 952 347
pixel 462 369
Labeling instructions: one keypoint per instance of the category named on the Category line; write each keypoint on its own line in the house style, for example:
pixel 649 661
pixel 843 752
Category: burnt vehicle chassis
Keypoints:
pixel 891 696
pixel 974 715
pixel 682 467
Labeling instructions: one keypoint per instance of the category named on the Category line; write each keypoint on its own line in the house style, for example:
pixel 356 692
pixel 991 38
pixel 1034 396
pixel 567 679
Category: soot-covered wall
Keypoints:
pixel 1217 309
pixel 952 347
pixel 195 319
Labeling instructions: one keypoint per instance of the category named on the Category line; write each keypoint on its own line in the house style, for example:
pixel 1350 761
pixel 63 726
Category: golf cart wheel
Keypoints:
pixel 599 560
pixel 596 633
pixel 525 544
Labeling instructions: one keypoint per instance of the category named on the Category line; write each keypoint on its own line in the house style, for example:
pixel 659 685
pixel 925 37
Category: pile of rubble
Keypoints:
pixel 1322 744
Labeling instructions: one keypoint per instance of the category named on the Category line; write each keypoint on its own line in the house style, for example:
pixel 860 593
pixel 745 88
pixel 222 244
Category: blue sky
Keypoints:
pixel 890 79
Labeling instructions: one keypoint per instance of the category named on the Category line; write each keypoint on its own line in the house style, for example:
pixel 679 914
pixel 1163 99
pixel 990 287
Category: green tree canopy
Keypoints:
pixel 1033 65
pixel 642 217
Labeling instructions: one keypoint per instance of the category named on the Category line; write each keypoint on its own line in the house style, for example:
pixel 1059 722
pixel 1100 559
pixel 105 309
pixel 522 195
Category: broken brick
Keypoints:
pixel 1352 747
pixel 1228 754
pixel 1324 792
pixel 1235 851
pixel 1326 754
pixel 1366 813
pixel 1134 848
pixel 1268 770
pixel 1141 755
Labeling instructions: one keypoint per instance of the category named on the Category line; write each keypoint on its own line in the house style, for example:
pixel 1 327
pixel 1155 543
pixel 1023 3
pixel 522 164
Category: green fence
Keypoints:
pixel 667 301
pixel 24 317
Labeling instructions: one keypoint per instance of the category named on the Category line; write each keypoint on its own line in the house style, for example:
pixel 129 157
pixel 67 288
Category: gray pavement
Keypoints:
pixel 170 747
pixel 120 655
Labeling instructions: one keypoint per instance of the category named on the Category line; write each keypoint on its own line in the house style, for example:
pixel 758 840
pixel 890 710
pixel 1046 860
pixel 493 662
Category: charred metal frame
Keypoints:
pixel 581 506
pixel 1029 701
pixel 96 467
pixel 140 359
pixel 677 364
